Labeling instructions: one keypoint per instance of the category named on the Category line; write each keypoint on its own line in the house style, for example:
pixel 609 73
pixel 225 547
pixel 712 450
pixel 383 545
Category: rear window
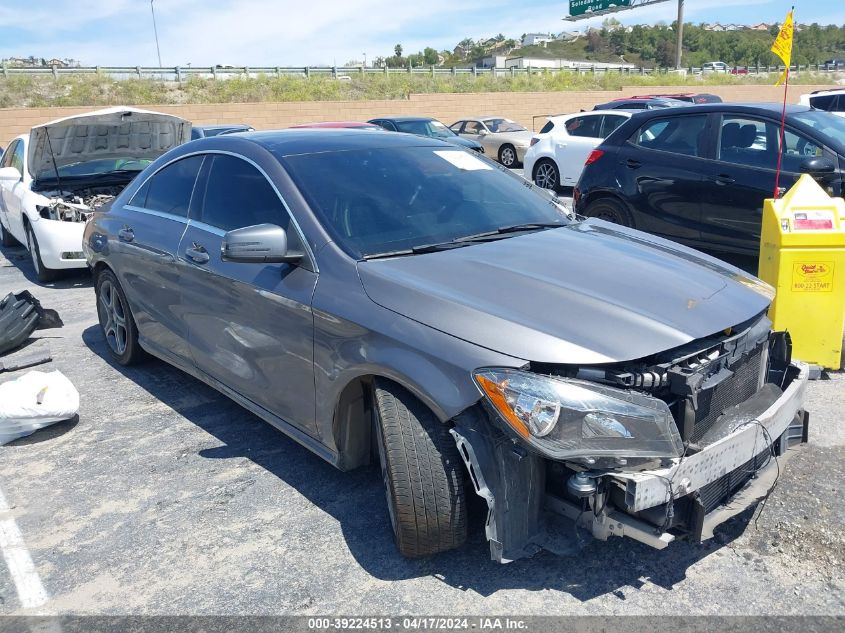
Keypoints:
pixel 678 135
pixel 548 127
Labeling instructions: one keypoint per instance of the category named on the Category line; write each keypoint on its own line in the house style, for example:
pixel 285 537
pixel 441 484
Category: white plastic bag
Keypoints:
pixel 33 401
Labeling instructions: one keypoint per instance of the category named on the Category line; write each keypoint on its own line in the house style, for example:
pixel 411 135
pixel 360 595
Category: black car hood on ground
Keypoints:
pixel 591 292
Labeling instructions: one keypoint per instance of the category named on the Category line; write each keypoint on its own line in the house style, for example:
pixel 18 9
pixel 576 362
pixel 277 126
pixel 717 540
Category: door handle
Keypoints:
pixel 126 234
pixel 633 164
pixel 197 254
pixel 722 179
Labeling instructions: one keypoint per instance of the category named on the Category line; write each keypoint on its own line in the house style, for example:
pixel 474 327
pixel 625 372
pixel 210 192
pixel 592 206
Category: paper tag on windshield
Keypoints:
pixel 462 160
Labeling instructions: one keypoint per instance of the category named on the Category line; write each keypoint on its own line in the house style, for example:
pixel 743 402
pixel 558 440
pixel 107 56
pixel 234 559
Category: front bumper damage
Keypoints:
pixel 685 499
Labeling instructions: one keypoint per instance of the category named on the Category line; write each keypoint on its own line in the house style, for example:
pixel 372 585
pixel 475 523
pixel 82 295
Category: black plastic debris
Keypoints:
pixel 20 315
pixel 36 354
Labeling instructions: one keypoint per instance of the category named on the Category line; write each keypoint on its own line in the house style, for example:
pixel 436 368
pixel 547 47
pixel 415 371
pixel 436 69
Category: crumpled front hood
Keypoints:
pixel 119 132
pixel 591 292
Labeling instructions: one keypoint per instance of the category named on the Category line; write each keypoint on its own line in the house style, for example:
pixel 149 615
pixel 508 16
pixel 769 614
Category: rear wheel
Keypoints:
pixel 507 155
pixel 116 320
pixel 546 175
pixel 43 273
pixel 610 210
pixel 422 472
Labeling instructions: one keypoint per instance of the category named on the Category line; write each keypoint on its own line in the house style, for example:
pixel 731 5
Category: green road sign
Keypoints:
pixel 580 7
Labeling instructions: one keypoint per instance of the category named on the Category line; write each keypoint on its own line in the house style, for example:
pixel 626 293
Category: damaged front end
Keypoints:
pixel 76 206
pixel 658 449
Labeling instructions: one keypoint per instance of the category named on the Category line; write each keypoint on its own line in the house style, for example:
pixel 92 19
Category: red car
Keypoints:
pixel 357 125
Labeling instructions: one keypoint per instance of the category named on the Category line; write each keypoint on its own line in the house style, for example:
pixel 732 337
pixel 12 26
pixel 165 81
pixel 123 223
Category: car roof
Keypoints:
pixel 827 91
pixel 745 108
pixel 294 141
pixel 403 118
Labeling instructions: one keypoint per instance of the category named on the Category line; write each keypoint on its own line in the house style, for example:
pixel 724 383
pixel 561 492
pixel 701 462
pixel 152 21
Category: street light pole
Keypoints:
pixel 365 60
pixel 155 30
pixel 679 49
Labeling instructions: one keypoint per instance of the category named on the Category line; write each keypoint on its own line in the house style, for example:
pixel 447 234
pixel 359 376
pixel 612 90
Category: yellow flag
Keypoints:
pixel 783 46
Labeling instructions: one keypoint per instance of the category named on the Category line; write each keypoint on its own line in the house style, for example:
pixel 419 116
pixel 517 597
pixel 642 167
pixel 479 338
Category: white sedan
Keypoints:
pixel 55 177
pixel 557 154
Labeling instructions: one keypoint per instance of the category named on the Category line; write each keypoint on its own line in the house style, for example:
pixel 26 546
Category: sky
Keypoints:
pixel 321 32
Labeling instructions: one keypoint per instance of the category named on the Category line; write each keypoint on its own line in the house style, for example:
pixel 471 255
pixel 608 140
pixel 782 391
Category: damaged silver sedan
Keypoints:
pixel 396 299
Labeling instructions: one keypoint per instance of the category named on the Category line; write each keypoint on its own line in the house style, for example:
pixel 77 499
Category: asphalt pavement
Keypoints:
pixel 165 497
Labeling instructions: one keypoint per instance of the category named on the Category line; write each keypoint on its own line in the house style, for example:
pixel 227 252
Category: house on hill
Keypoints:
pixel 537 39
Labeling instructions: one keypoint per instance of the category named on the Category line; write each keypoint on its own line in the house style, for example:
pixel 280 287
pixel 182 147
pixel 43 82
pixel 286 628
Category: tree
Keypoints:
pixel 397 50
pixel 430 56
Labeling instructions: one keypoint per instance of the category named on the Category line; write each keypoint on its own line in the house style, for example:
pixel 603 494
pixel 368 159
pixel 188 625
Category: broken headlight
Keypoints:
pixel 569 419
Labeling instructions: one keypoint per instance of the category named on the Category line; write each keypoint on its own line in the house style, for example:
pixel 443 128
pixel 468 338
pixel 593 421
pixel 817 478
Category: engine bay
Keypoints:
pixel 79 204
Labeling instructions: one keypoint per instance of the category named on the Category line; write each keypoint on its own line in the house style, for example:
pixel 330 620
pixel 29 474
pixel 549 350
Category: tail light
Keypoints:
pixel 534 141
pixel 593 157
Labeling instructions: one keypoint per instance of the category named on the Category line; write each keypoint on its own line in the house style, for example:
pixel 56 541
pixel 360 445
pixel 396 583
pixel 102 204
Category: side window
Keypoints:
pixel 388 125
pixel 472 127
pixel 678 135
pixel 548 127
pixel 587 126
pixel 456 127
pixel 796 148
pixel 10 151
pixel 824 102
pixel 747 141
pixel 238 195
pixel 610 124
pixel 169 190
pixel 17 159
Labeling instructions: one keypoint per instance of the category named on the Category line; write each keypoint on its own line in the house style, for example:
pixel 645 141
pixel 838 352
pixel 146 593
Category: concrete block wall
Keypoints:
pixel 528 108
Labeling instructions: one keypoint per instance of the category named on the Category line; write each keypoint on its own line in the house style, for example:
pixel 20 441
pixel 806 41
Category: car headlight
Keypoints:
pixel 568 419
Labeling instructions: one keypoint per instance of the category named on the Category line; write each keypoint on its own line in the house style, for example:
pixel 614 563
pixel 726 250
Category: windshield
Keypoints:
pixel 503 125
pixel 94 167
pixel 382 200
pixel 425 128
pixel 825 123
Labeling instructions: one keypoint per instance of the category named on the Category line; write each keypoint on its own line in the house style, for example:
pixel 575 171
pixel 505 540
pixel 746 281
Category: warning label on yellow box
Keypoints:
pixel 812 277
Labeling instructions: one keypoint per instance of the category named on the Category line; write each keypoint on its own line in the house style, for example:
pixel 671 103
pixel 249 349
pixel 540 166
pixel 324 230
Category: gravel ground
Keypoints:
pixel 165 497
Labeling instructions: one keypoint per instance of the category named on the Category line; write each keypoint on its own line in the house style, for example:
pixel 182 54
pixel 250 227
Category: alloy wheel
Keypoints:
pixel 112 317
pixel 508 157
pixel 30 244
pixel 546 176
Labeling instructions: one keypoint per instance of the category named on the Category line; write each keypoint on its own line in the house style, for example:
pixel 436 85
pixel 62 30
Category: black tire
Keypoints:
pixel 507 155
pixel 422 472
pixel 42 273
pixel 546 174
pixel 6 238
pixel 611 210
pixel 116 321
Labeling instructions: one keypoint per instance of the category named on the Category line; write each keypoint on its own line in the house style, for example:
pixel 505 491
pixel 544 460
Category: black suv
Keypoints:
pixel 699 175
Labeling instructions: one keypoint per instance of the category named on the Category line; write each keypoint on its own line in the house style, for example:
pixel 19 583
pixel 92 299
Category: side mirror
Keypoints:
pixel 817 165
pixel 483 132
pixel 258 244
pixel 8 174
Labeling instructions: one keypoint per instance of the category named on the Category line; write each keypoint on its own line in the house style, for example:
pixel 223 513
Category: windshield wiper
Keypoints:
pixel 419 250
pixel 504 230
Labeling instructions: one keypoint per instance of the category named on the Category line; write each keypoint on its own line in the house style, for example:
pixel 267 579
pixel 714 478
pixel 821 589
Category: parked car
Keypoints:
pixel 832 101
pixel 640 103
pixel 556 155
pixel 700 175
pixel 834 64
pixel 55 177
pixel 501 137
pixel 739 70
pixel 350 125
pixel 689 97
pixel 202 131
pixel 714 67
pixel 393 298
pixel 425 126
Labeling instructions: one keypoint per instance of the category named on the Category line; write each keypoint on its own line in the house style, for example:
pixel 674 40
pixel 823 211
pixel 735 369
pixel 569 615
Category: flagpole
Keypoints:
pixel 782 128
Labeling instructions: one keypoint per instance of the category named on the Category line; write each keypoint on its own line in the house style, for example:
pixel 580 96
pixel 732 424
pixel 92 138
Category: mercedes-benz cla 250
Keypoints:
pixel 394 298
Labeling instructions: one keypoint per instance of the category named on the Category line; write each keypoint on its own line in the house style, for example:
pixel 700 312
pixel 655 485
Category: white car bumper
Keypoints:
pixel 60 243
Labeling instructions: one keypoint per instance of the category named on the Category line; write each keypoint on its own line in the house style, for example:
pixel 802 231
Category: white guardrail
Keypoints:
pixel 180 73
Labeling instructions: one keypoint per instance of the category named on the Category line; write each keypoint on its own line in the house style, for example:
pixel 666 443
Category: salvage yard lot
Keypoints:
pixel 165 497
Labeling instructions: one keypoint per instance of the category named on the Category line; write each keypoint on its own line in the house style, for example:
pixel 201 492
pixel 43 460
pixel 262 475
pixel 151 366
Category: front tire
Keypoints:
pixel 422 472
pixel 547 175
pixel 116 321
pixel 42 273
pixel 507 155
pixel 610 210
